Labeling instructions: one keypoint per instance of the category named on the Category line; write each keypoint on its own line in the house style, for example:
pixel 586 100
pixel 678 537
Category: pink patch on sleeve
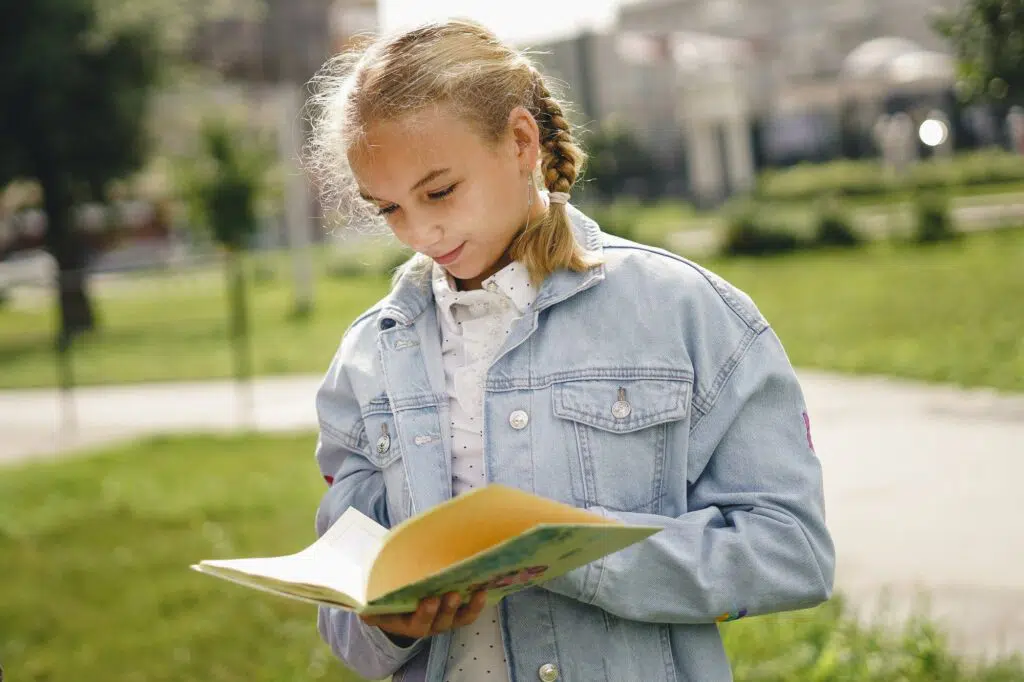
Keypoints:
pixel 807 429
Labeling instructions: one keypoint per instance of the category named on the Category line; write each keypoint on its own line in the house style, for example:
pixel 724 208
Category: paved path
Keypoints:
pixel 924 484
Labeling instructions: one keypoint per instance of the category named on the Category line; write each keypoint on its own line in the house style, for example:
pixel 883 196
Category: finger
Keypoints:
pixel 471 611
pixel 446 615
pixel 420 622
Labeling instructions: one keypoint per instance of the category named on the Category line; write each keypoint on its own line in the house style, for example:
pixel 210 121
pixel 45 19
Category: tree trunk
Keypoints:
pixel 238 329
pixel 69 250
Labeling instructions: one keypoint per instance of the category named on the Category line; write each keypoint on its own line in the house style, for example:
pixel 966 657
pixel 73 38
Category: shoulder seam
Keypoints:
pixel 753 325
pixel 366 315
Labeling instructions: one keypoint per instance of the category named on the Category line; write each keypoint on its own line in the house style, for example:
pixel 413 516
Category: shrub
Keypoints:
pixel 933 221
pixel 750 233
pixel 834 227
pixel 866 178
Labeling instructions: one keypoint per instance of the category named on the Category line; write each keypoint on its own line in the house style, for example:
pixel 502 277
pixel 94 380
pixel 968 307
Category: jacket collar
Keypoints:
pixel 412 293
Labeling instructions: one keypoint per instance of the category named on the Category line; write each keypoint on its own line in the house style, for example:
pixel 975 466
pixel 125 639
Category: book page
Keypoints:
pixel 333 569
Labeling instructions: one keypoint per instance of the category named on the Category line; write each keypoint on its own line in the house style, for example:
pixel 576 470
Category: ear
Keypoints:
pixel 525 136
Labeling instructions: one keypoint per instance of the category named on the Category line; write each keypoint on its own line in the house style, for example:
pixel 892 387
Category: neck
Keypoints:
pixel 539 208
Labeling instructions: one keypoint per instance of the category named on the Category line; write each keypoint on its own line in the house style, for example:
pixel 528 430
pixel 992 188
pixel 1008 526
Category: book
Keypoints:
pixel 496 538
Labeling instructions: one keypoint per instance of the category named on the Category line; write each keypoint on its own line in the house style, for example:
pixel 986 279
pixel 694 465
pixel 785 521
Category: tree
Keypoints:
pixel 987 37
pixel 225 186
pixel 73 119
pixel 619 164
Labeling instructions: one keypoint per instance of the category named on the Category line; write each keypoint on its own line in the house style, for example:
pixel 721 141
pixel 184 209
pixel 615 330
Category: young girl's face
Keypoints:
pixel 446 191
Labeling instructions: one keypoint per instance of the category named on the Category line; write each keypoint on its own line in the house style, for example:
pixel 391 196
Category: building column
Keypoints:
pixel 705 163
pixel 739 152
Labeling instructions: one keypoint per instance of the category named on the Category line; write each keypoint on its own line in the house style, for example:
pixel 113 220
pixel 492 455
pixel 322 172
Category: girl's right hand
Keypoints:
pixel 433 616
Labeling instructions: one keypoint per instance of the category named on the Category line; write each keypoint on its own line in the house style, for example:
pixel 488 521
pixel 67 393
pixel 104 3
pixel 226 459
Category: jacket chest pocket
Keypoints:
pixel 384 450
pixel 622 431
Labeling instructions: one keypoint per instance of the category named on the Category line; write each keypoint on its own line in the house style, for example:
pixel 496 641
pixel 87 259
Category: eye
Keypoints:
pixel 441 194
pixel 387 210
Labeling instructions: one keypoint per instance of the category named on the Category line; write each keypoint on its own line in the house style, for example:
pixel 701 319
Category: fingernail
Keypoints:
pixel 453 601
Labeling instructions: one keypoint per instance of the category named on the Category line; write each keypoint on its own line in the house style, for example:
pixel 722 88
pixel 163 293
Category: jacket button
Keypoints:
pixel 387 323
pixel 548 672
pixel 518 420
pixel 621 409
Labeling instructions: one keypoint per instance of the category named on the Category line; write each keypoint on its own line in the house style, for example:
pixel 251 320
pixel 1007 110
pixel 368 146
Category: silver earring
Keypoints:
pixel 530 191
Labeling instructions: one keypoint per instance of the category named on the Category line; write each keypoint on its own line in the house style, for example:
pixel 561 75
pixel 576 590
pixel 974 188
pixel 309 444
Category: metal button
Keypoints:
pixel 518 420
pixel 548 672
pixel 621 408
pixel 384 442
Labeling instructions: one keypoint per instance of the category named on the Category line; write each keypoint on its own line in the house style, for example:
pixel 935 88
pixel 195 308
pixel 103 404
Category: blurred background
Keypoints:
pixel 171 290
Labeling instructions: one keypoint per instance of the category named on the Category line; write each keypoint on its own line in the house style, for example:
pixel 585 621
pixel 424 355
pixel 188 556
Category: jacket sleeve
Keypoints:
pixel 353 482
pixel 754 539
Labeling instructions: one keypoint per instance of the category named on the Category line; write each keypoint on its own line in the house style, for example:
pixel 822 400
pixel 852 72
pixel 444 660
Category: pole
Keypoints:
pixel 296 197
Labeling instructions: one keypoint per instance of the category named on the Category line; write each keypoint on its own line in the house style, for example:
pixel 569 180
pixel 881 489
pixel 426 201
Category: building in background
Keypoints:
pixel 721 88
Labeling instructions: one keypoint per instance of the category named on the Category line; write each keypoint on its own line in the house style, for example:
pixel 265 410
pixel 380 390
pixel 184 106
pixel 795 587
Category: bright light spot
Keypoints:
pixel 933 132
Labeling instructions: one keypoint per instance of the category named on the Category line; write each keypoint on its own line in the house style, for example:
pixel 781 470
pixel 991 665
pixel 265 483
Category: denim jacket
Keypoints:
pixel 713 443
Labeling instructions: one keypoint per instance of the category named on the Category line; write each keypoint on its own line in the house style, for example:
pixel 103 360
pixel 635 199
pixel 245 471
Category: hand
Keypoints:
pixel 433 616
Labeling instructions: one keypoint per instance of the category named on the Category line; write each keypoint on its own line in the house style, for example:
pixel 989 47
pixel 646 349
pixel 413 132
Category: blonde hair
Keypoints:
pixel 464 66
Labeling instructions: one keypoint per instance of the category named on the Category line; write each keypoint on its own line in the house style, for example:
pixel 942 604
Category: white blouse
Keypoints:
pixel 473 327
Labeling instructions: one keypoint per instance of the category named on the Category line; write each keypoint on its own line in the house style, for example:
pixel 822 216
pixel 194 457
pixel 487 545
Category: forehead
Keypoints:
pixel 392 152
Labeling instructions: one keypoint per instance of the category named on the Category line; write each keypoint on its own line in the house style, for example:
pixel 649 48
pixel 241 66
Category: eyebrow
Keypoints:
pixel 432 175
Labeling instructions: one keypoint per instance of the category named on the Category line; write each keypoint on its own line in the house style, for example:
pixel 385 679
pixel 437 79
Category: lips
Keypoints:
pixel 451 256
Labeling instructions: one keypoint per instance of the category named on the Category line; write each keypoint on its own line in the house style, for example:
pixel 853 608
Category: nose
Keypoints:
pixel 421 235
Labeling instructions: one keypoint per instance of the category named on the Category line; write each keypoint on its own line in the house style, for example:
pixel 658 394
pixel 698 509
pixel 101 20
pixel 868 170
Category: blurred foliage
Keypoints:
pixel 224 188
pixel 987 38
pixel 228 183
pixel 619 164
pixel 752 231
pixel 868 178
pixel 933 220
pixel 174 22
pixel 75 101
pixel 834 226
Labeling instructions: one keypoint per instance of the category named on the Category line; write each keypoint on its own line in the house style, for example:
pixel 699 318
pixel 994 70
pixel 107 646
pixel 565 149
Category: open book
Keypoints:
pixel 494 538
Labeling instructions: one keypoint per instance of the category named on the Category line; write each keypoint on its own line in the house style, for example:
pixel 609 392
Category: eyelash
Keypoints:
pixel 435 196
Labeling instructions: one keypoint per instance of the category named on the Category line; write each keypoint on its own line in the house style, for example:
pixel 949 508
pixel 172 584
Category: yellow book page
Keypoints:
pixel 460 528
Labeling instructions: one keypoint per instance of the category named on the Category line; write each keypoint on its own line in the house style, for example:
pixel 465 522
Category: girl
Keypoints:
pixel 521 345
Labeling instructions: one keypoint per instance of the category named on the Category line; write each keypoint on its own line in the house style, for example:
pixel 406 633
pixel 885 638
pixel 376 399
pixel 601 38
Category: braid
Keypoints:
pixel 562 157
pixel 550 243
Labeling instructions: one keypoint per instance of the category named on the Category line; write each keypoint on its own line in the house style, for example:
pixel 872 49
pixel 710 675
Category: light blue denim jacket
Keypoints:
pixel 716 448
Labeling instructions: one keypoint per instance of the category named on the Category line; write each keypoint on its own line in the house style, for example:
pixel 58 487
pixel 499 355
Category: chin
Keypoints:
pixel 462 271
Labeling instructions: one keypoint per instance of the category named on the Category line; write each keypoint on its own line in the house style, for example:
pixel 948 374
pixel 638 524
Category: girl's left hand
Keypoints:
pixel 433 616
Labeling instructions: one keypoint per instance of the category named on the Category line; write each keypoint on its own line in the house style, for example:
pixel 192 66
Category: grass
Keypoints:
pixel 945 313
pixel 96 553
pixel 96 583
pixel 175 328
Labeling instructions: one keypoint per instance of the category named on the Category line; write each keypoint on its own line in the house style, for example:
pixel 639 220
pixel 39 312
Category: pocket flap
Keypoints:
pixel 622 406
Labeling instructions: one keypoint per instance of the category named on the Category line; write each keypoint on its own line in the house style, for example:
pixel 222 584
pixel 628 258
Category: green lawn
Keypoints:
pixel 96 584
pixel 948 313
